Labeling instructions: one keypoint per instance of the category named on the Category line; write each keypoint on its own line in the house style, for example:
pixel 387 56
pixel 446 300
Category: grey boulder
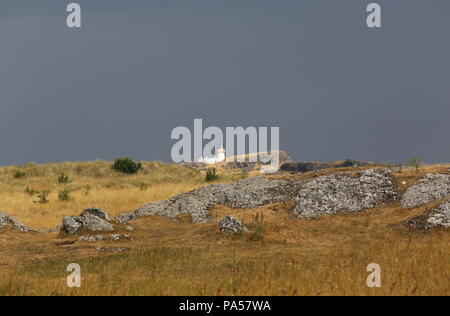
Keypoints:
pixel 231 225
pixel 97 212
pixel 437 218
pixel 431 188
pixel 73 224
pixel 346 192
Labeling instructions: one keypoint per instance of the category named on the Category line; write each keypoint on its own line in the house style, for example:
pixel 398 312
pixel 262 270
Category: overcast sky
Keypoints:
pixel 139 68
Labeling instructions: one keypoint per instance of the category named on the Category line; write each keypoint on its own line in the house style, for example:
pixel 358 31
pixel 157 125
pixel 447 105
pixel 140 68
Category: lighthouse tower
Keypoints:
pixel 221 154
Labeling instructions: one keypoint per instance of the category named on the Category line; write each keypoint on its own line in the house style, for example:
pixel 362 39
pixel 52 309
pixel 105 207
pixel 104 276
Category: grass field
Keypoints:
pixel 281 256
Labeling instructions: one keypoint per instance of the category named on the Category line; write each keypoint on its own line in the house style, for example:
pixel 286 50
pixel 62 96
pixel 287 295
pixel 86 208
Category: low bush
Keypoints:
pixel 18 174
pixel 65 196
pixel 63 178
pixel 211 175
pixel 126 165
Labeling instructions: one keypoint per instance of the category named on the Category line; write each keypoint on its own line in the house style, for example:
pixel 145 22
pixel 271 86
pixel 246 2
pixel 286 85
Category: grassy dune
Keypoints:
pixel 282 255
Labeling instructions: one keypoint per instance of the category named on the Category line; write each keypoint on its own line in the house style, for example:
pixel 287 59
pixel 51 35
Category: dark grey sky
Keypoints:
pixel 139 68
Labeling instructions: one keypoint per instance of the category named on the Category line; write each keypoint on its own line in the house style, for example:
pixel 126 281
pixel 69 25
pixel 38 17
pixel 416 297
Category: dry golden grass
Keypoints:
pixel 115 192
pixel 280 256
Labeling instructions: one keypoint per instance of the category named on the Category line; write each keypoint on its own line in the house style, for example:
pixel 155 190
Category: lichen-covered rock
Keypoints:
pixel 73 224
pixel 91 238
pixel 115 237
pixel 437 218
pixel 431 188
pixel 7 220
pixel 97 212
pixel 231 225
pixel 248 193
pixel 346 192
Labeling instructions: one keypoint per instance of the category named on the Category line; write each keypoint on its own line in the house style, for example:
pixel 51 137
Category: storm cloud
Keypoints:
pixel 137 69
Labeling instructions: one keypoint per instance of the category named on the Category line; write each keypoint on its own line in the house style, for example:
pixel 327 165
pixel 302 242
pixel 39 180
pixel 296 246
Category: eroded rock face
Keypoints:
pixel 431 188
pixel 437 218
pixel 248 193
pixel 73 224
pixel 231 225
pixel 7 220
pixel 346 192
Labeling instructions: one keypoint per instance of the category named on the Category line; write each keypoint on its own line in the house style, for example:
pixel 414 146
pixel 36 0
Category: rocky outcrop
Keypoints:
pixel 97 212
pixel 247 166
pixel 346 192
pixel 437 218
pixel 231 225
pixel 91 238
pixel 115 237
pixel 195 165
pixel 248 193
pixel 302 167
pixel 431 188
pixel 7 220
pixel 87 221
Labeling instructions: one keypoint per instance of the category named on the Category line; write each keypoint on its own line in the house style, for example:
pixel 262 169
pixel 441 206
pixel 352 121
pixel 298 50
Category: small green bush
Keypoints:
pixel 18 174
pixel 126 165
pixel 65 196
pixel 211 175
pixel 63 178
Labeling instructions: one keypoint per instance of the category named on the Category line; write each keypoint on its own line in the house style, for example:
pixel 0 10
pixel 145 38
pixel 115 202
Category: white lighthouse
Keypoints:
pixel 220 156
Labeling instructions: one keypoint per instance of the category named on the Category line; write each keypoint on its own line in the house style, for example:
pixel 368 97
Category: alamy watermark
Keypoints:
pixel 374 278
pixel 249 144
pixel 74 18
pixel 374 17
pixel 74 278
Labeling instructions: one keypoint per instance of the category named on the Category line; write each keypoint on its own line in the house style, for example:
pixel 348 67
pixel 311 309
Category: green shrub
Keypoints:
pixel 63 178
pixel 64 195
pixel 211 175
pixel 18 174
pixel 126 165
